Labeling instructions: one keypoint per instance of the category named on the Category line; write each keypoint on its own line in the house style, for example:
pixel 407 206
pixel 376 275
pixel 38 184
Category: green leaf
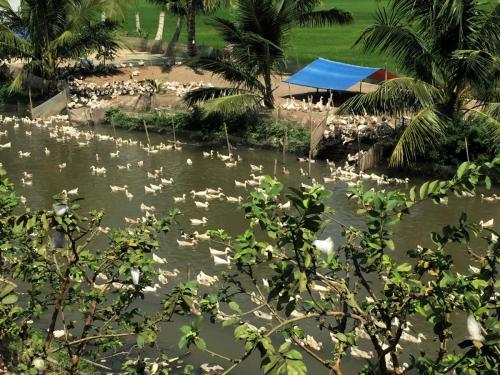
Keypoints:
pixel 478 283
pixel 461 170
pixel 423 190
pixel 200 344
pixel 10 299
pixel 234 306
pixel 405 267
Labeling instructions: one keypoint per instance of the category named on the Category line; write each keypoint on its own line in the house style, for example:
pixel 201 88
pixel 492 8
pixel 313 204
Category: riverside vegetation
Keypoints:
pixel 53 266
pixel 247 128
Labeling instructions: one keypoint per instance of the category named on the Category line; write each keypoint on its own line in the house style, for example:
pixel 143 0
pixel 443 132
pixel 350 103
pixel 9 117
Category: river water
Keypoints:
pixel 203 173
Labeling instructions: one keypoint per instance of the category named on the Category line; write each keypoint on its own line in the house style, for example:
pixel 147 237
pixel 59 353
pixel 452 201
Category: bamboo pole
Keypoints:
pixel 227 140
pixel 310 139
pixel 285 142
pixel 173 130
pixel 467 149
pixel 275 167
pixel 147 133
pixel 31 102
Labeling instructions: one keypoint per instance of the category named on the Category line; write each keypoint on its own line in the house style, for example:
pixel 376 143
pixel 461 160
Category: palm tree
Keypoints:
pixel 449 52
pixel 194 7
pixel 45 34
pixel 256 40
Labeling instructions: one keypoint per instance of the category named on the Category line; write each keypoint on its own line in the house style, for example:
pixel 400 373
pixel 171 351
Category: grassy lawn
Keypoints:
pixel 304 45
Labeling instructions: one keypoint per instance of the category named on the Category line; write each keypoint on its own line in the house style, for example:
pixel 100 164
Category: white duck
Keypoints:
pixel 220 261
pixel 204 279
pixel 203 221
pixel 185 244
pixel 325 246
pixel 159 260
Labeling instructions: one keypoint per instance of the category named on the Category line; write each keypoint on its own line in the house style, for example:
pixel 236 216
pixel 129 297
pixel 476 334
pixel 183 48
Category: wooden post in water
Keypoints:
pixel 147 133
pixel 467 149
pixel 31 102
pixel 173 130
pixel 275 167
pixel 310 138
pixel 227 140
pixel 285 141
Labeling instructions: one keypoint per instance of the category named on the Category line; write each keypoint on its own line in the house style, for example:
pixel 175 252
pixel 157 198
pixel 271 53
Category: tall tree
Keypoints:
pixel 448 51
pixel 256 41
pixel 194 7
pixel 44 34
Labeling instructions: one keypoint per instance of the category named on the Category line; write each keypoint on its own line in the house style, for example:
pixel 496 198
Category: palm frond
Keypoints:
pixel 203 94
pixel 12 45
pixel 490 114
pixel 395 97
pixel 228 69
pixel 390 35
pixel 325 17
pixel 236 103
pixel 478 67
pixel 424 132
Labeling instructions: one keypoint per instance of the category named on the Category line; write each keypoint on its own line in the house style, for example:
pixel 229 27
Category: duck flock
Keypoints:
pixel 93 95
pixel 157 181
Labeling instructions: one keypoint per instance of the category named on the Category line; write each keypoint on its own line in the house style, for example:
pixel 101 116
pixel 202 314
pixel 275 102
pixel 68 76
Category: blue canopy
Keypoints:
pixel 332 75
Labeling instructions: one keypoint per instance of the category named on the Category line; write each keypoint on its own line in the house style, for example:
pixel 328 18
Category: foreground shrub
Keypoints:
pixel 352 291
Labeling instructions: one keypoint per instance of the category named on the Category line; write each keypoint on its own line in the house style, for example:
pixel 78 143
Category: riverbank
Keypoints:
pixel 249 130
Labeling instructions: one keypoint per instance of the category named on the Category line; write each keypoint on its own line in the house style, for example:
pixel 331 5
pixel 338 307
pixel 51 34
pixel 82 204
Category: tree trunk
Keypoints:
pixel 191 29
pixel 161 24
pixel 175 37
pixel 137 22
pixel 268 97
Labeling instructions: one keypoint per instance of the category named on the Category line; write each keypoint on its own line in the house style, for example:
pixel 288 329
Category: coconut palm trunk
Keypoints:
pixel 191 28
pixel 161 26
pixel 175 37
pixel 137 22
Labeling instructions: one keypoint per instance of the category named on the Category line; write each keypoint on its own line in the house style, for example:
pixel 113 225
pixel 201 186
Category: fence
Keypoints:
pixel 51 107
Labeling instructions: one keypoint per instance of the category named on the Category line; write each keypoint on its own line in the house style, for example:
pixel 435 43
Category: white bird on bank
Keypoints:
pixel 47 151
pixel 5 146
pixel 189 162
pixel 135 273
pixel 325 246
pixel 24 154
pixel 474 329
pixel 62 166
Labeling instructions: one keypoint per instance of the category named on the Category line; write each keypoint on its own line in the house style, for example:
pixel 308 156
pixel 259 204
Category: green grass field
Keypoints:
pixel 304 45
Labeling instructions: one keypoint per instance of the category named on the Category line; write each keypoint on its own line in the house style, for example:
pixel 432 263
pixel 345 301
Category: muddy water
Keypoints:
pixel 48 180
